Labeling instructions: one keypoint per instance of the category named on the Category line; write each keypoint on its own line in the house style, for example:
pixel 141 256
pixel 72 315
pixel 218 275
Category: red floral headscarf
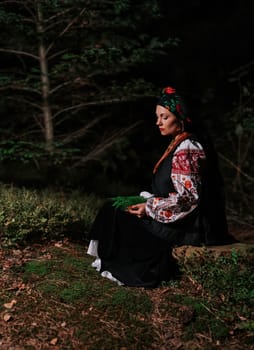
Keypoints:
pixel 174 103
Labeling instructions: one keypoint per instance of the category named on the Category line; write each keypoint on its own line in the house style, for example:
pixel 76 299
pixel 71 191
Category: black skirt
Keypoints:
pixel 129 250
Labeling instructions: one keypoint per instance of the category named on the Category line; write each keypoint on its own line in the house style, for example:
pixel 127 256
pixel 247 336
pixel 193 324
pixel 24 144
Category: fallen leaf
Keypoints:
pixel 242 318
pixel 16 252
pixel 11 304
pixel 222 296
pixel 22 286
pixel 54 341
pixel 7 317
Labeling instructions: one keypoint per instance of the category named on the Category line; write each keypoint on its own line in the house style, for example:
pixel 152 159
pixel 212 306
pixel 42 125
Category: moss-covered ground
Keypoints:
pixel 51 298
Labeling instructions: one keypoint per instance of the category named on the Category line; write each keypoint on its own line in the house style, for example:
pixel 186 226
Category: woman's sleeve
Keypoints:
pixel 186 177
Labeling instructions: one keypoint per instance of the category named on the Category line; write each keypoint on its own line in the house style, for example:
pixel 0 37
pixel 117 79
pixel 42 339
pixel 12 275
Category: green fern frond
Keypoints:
pixel 123 202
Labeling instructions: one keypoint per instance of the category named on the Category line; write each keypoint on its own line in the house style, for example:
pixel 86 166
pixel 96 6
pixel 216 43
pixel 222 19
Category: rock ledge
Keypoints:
pixel 186 252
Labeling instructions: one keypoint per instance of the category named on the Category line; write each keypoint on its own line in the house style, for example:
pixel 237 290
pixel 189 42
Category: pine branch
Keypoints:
pixel 20 52
pixel 98 103
pixel 59 14
pixel 247 148
pixel 20 88
pixel 19 2
pixel 83 131
pixel 57 54
pixel 31 12
pixel 105 144
pixel 53 25
pixel 236 167
pixel 70 24
pixel 58 87
pixel 23 100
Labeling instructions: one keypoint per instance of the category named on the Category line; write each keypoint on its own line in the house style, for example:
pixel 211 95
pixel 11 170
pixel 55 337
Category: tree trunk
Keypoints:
pixel 45 83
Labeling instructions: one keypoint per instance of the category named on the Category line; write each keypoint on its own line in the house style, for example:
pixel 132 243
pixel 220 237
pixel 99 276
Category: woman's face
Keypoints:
pixel 167 122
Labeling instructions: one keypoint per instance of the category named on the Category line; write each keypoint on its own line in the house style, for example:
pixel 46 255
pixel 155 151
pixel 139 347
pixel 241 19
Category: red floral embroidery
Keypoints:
pixel 186 162
pixel 168 213
pixel 188 184
pixel 186 176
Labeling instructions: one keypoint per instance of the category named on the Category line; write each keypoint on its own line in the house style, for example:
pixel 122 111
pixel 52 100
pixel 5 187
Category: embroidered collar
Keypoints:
pixel 175 142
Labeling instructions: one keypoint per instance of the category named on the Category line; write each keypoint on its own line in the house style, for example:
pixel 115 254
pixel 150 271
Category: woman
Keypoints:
pixel 133 246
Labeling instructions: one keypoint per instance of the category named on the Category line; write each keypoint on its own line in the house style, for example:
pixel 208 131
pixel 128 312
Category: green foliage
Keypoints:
pixel 7 17
pixel 105 39
pixel 38 268
pixel 126 299
pixel 34 215
pixel 26 152
pixel 124 201
pixel 238 129
pixel 241 117
pixel 65 270
pixel 69 294
pixel 121 6
pixel 204 321
pixel 85 57
pixel 231 276
pixel 233 139
pixel 227 292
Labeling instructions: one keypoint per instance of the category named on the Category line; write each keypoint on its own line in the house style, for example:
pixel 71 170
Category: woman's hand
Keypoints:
pixel 137 209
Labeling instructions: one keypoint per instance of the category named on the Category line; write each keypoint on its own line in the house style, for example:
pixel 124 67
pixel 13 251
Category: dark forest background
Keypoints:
pixel 79 82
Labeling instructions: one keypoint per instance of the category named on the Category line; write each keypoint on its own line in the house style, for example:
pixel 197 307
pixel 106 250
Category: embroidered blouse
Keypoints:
pixel 186 179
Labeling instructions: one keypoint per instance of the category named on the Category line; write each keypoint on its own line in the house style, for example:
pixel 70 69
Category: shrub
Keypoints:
pixel 27 215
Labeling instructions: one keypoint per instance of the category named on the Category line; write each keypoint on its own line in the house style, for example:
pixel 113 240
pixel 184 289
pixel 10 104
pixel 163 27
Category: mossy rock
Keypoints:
pixel 186 252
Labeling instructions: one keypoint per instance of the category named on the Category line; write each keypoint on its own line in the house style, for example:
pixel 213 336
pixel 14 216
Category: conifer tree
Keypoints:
pixel 64 59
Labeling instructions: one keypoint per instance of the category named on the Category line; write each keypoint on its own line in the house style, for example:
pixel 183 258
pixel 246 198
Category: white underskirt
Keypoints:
pixel 93 250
